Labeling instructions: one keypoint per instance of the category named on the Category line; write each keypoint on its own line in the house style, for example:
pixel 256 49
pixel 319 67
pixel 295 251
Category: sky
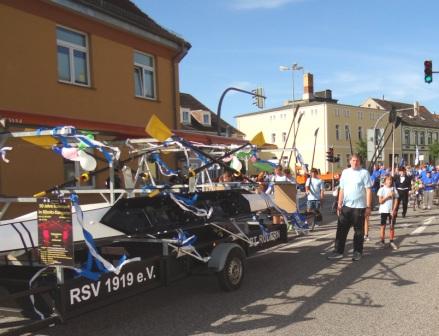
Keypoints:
pixel 357 49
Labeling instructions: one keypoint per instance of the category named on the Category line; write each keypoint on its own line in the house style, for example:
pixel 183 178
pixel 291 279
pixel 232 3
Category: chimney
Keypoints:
pixel 308 86
pixel 416 109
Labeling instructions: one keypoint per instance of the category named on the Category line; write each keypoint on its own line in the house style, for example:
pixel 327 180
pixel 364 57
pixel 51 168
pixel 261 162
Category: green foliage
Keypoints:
pixel 434 150
pixel 361 149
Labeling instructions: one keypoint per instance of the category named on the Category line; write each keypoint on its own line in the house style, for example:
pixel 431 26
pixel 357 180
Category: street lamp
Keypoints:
pixel 292 68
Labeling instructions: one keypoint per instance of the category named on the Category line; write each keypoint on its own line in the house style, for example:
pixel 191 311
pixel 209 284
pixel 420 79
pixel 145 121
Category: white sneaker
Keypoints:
pixel 393 245
pixel 366 238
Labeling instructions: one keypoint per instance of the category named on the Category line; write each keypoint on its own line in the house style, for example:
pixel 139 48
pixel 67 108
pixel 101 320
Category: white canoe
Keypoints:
pixel 22 232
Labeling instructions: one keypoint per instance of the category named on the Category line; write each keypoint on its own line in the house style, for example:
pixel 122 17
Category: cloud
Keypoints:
pixel 261 4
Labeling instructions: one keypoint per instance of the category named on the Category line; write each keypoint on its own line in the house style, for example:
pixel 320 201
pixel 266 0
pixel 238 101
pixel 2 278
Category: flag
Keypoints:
pixel 417 156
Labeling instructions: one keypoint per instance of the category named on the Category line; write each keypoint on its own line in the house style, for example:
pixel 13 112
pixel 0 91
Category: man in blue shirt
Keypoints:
pixel 354 203
pixel 429 187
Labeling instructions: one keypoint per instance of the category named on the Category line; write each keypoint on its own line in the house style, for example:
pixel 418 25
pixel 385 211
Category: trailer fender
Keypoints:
pixel 219 255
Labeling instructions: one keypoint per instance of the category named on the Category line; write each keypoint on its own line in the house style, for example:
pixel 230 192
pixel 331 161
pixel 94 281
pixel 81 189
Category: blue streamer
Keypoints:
pixel 187 201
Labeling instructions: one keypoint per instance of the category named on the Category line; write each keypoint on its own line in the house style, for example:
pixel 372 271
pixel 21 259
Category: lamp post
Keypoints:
pixel 292 68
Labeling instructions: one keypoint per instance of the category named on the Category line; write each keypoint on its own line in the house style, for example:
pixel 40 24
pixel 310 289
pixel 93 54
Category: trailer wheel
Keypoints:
pixel 231 276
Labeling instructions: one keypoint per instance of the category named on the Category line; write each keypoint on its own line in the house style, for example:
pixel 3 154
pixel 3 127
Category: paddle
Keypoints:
pixel 258 140
pixel 158 130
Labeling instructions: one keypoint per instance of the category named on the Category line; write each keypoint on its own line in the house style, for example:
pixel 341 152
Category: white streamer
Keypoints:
pixel 196 211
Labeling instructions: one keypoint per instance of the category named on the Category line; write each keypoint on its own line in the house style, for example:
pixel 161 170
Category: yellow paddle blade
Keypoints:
pixel 157 129
pixel 258 139
pixel 45 141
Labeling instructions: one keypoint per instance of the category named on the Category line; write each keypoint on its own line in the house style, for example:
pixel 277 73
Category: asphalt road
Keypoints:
pixel 295 290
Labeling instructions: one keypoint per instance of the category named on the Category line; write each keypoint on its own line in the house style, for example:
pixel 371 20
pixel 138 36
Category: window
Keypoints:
pixel 185 117
pixel 407 137
pixel 347 113
pixel 337 112
pixel 284 137
pixel 339 160
pixel 273 138
pixel 430 138
pixel 422 138
pixel 206 119
pixel 416 137
pixel 72 53
pixel 347 133
pixel 360 115
pixel 144 76
pixel 360 133
pixel 435 137
pixel 337 132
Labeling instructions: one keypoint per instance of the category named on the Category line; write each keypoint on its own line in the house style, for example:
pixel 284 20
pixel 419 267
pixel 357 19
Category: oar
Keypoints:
pixel 314 150
pixel 258 140
pixel 295 137
pixel 289 131
pixel 158 130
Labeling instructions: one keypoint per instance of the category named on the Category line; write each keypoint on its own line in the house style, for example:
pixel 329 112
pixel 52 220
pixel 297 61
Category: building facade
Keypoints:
pixel 102 65
pixel 419 128
pixel 333 120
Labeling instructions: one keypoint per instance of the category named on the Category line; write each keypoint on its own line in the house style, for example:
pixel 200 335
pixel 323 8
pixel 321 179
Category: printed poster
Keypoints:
pixel 55 231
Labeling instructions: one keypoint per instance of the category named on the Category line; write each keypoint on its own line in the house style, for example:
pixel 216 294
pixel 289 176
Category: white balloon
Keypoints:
pixel 236 164
pixel 70 153
pixel 86 161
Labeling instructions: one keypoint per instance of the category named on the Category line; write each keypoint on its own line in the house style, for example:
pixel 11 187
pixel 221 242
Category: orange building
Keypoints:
pixel 97 65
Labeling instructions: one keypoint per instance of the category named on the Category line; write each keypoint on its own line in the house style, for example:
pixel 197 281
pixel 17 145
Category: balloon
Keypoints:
pixel 70 153
pixel 236 164
pixel 86 161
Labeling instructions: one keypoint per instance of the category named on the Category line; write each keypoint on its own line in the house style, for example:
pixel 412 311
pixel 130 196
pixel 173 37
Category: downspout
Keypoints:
pixel 176 88
pixel 175 62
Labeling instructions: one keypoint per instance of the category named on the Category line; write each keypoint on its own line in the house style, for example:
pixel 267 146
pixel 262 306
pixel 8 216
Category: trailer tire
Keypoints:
pixel 231 276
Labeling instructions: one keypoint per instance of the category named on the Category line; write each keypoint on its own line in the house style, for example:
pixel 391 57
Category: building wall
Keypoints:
pixel 355 117
pixel 29 83
pixel 325 117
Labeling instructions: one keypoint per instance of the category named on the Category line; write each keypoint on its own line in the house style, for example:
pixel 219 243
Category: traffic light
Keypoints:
pixel 258 98
pixel 428 71
pixel 330 154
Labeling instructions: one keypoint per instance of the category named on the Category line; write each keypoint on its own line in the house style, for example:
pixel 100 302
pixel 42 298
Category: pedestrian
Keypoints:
pixel 389 203
pixel 314 189
pixel 429 186
pixel 354 203
pixel 403 184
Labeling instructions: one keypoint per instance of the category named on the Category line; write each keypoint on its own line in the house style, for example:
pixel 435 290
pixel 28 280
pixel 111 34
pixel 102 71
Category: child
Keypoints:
pixel 388 208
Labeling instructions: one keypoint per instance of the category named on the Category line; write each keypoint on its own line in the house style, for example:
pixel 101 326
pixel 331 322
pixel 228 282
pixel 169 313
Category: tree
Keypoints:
pixel 361 149
pixel 434 151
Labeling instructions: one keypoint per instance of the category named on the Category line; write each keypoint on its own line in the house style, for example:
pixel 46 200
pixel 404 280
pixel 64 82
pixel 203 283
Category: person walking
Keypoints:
pixel 429 186
pixel 314 195
pixel 403 184
pixel 354 203
pixel 389 200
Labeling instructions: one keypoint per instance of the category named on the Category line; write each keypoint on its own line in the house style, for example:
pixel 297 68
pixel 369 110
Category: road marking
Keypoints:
pixel 423 226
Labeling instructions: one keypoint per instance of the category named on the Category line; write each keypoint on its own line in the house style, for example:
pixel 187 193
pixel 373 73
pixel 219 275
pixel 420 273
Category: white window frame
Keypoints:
pixel 284 137
pixel 72 47
pixel 147 68
pixel 273 138
pixel 182 112
pixel 206 114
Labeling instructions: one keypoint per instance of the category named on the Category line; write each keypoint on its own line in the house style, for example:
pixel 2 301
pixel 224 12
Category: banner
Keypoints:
pixel 55 231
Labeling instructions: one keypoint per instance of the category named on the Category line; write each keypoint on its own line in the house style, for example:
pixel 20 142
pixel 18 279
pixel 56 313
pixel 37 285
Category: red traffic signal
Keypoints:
pixel 428 71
